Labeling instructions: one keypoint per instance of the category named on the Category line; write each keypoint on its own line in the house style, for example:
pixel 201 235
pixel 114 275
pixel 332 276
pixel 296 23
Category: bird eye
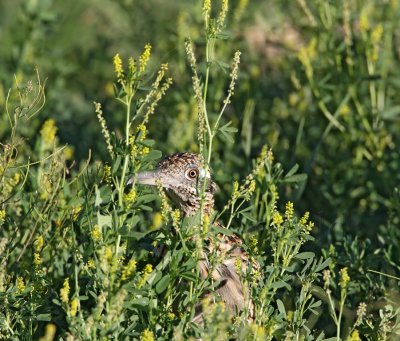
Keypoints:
pixel 192 173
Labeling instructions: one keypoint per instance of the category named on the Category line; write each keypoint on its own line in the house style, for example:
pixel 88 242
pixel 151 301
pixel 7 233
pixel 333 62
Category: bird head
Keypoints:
pixel 183 176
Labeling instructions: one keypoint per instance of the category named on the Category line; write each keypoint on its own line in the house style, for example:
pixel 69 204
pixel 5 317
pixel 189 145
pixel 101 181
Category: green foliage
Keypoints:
pixel 85 256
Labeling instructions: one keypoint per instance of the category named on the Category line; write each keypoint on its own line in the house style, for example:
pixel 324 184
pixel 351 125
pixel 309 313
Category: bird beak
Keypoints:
pixel 146 178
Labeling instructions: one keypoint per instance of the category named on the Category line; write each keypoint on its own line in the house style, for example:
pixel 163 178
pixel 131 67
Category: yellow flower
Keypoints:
pixel 2 215
pixel 170 316
pixel 176 216
pixel 147 335
pixel 364 22
pixel 344 278
pixel 289 210
pixel 50 332
pixel 95 233
pixel 206 223
pixel 73 307
pixel 145 151
pixel 131 65
pixel 238 265
pixel 48 131
pixel 148 268
pixel 36 259
pixel 108 253
pixel 107 173
pixel 235 192
pixel 355 336
pixel 157 220
pixel 143 131
pixel 20 284
pixel 64 291
pixel 39 242
pixel 144 58
pixel 130 198
pixel 304 219
pixel 134 151
pixel 119 71
pixel 75 212
pixel 128 270
pixel 90 264
pixel 69 152
pixel 277 219
pixel 222 14
pixel 207 7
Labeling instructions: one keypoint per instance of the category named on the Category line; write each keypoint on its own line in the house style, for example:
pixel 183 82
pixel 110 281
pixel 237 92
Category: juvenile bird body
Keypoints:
pixel 183 177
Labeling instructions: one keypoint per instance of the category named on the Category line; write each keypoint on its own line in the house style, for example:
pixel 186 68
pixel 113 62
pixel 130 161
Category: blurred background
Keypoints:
pixel 319 83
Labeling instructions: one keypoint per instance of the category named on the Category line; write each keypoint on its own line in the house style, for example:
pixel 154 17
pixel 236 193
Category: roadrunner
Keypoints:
pixel 183 176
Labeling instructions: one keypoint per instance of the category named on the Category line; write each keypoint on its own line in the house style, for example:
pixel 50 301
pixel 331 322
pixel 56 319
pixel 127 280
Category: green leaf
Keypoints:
pixel 116 164
pixel 280 284
pixel 189 275
pixel 138 302
pixel 305 255
pixel 104 220
pixel 153 155
pixel 391 113
pixel 162 284
pixel 43 317
pixel 292 171
pixel 281 307
pixel 323 265
pixel 295 178
pixel 249 217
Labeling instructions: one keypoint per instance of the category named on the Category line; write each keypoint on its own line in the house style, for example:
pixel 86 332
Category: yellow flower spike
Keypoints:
pixel 73 307
pixel 277 219
pixel 107 173
pixel 69 152
pixel 119 71
pixel 144 58
pixel 75 212
pixel 48 131
pixel 130 198
pixel 2 215
pixel 143 131
pixel 108 253
pixel 39 242
pixel 238 265
pixel 147 335
pixel 175 216
pixel 131 65
pixel 95 233
pixel 64 291
pixel 207 8
pixel 91 264
pixel 304 219
pixel 251 189
pixel 344 278
pixel 148 268
pixel 289 210
pixel 134 151
pixel 206 223
pixel 355 336
pixel 128 270
pixel 235 192
pixel 37 260
pixel 157 220
pixel 49 333
pixel 145 151
pixel 222 15
pixel 20 284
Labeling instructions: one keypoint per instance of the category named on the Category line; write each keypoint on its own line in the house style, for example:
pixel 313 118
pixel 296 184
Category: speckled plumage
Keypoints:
pixel 175 173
